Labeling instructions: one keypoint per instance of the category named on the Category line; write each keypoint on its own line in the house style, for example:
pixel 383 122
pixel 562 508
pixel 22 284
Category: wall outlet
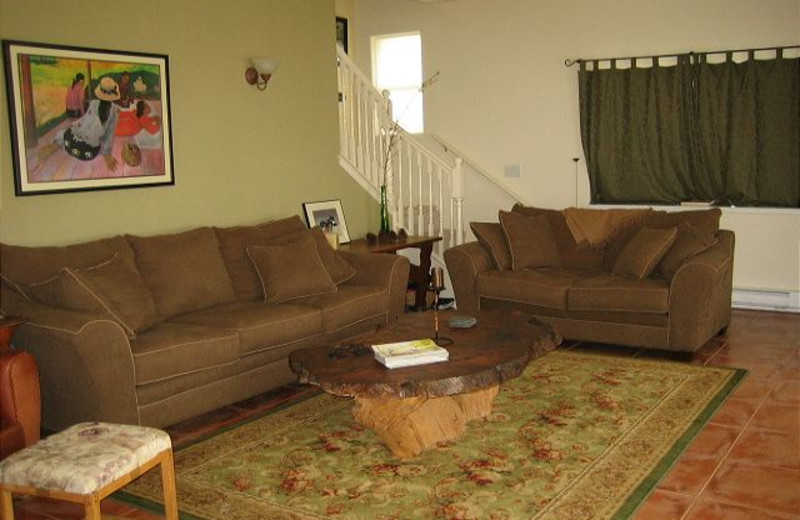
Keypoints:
pixel 512 170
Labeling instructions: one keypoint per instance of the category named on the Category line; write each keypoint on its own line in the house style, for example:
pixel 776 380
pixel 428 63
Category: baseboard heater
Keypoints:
pixel 766 300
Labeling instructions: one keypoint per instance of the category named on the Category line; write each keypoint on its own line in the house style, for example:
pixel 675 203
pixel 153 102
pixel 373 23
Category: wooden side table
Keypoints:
pixel 420 274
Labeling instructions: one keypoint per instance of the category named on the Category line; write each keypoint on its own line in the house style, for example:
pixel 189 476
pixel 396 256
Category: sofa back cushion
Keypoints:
pixel 290 271
pixel 706 220
pixel 571 255
pixel 22 266
pixel 492 238
pixel 530 241
pixel 233 242
pixel 643 252
pixel 112 289
pixel 689 242
pixel 184 271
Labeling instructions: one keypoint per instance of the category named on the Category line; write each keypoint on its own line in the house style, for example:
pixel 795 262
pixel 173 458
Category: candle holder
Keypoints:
pixel 437 286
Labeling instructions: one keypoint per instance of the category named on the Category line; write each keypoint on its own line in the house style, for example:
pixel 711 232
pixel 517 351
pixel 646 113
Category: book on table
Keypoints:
pixel 410 353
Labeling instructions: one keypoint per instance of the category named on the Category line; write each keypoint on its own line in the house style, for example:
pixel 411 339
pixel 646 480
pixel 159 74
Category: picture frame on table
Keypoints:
pixel 87 119
pixel 329 215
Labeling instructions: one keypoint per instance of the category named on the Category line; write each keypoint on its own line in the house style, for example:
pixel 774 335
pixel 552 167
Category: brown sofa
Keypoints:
pixel 662 281
pixel 154 330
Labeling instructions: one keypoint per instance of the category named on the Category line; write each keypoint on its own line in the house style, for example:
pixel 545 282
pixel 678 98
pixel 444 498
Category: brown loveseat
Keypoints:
pixel 153 330
pixel 662 281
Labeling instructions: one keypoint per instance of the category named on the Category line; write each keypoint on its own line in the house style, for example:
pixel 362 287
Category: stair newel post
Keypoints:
pixel 457 190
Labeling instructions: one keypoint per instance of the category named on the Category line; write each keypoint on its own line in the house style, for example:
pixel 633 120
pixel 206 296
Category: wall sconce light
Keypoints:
pixel 260 72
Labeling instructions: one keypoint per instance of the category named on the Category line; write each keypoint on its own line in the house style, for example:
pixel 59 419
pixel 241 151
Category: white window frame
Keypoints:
pixel 400 111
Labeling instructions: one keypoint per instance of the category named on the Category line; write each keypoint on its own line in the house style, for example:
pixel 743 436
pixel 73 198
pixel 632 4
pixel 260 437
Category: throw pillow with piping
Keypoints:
pixel 530 241
pixel 643 252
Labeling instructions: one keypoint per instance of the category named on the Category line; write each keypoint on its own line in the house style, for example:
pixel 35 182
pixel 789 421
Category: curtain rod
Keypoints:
pixel 569 63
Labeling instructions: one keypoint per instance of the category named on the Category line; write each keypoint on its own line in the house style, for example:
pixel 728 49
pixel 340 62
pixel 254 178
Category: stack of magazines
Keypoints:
pixel 410 353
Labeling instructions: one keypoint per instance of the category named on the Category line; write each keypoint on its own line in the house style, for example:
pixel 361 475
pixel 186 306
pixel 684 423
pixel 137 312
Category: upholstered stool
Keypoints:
pixel 87 462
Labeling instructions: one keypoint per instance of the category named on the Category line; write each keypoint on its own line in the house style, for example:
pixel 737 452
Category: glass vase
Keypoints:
pixel 385 226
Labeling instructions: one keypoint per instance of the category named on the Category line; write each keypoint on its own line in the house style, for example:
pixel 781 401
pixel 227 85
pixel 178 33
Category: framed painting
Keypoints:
pixel 328 215
pixel 87 119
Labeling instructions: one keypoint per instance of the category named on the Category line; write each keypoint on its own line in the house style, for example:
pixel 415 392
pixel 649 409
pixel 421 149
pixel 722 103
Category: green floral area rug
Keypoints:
pixel 576 437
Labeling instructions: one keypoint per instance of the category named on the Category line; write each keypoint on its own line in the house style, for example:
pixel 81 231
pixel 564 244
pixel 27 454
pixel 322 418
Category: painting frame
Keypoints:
pixel 317 212
pixel 56 102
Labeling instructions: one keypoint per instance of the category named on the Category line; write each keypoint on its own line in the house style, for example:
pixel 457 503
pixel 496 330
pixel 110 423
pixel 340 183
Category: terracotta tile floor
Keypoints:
pixel 744 465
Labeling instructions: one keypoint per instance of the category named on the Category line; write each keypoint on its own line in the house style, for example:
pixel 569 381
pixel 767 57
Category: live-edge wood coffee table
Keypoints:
pixel 414 408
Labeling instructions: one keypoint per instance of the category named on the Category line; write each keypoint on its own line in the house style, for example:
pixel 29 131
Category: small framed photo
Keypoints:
pixel 87 119
pixel 341 32
pixel 328 215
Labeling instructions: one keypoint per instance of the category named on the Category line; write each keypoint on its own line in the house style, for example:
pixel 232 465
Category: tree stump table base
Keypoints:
pixel 410 426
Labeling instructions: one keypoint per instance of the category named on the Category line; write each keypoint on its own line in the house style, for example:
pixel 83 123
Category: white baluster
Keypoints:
pixel 458 190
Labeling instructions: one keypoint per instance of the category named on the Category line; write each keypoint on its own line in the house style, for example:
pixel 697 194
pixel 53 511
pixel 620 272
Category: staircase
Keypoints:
pixel 425 192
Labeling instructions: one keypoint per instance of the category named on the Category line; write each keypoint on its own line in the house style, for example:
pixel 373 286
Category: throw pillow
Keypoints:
pixel 530 241
pixel 491 236
pixel 643 252
pixel 112 289
pixel 185 271
pixel 689 242
pixel 291 271
pixel 338 269
pixel 233 242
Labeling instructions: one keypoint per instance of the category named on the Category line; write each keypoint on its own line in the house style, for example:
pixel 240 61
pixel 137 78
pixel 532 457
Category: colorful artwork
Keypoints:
pixel 85 119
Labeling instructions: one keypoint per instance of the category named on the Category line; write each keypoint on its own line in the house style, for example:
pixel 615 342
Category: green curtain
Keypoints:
pixel 728 132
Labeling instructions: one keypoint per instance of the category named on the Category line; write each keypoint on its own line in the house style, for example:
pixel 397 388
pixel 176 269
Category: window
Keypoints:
pixel 397 67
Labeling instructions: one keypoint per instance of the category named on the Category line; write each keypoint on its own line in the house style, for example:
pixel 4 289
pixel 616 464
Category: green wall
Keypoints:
pixel 240 155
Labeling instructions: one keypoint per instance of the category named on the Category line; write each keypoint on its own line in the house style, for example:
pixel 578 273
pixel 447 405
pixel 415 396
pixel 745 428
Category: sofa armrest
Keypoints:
pixel 390 271
pixel 464 262
pixel 700 295
pixel 85 364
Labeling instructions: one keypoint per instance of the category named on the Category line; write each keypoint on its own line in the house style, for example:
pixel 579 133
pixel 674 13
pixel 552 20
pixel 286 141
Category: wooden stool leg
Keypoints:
pixel 168 481
pixel 92 507
pixel 6 505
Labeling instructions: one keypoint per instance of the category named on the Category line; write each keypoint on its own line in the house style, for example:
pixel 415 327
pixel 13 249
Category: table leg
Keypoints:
pixel 410 426
pixel 421 275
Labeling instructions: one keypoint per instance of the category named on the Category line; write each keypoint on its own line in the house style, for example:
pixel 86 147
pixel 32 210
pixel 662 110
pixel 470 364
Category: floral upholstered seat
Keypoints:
pixel 84 458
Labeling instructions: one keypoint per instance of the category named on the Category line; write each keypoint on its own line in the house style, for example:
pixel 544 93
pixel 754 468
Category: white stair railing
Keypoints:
pixel 425 193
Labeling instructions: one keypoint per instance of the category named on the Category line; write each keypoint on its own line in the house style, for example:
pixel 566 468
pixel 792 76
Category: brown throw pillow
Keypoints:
pixel 233 242
pixel 338 268
pixel 291 271
pixel 112 289
pixel 530 241
pixel 643 252
pixel 689 242
pixel 491 236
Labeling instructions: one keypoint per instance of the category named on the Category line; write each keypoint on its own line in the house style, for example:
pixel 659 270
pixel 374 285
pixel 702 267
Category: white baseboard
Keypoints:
pixel 766 300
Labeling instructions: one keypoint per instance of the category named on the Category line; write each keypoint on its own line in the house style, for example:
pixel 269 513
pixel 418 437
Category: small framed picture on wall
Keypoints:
pixel 341 33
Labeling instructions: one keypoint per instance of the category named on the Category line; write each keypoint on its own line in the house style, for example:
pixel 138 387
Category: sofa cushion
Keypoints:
pixel 112 289
pixel 572 256
pixel 260 326
pixel 643 252
pixel 185 271
pixel 491 236
pixel 608 292
pixel 172 349
pixel 530 241
pixel 291 271
pixel 689 242
pixel 349 305
pixel 338 269
pixel 547 287
pixel 704 220
pixel 233 242
pixel 22 265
